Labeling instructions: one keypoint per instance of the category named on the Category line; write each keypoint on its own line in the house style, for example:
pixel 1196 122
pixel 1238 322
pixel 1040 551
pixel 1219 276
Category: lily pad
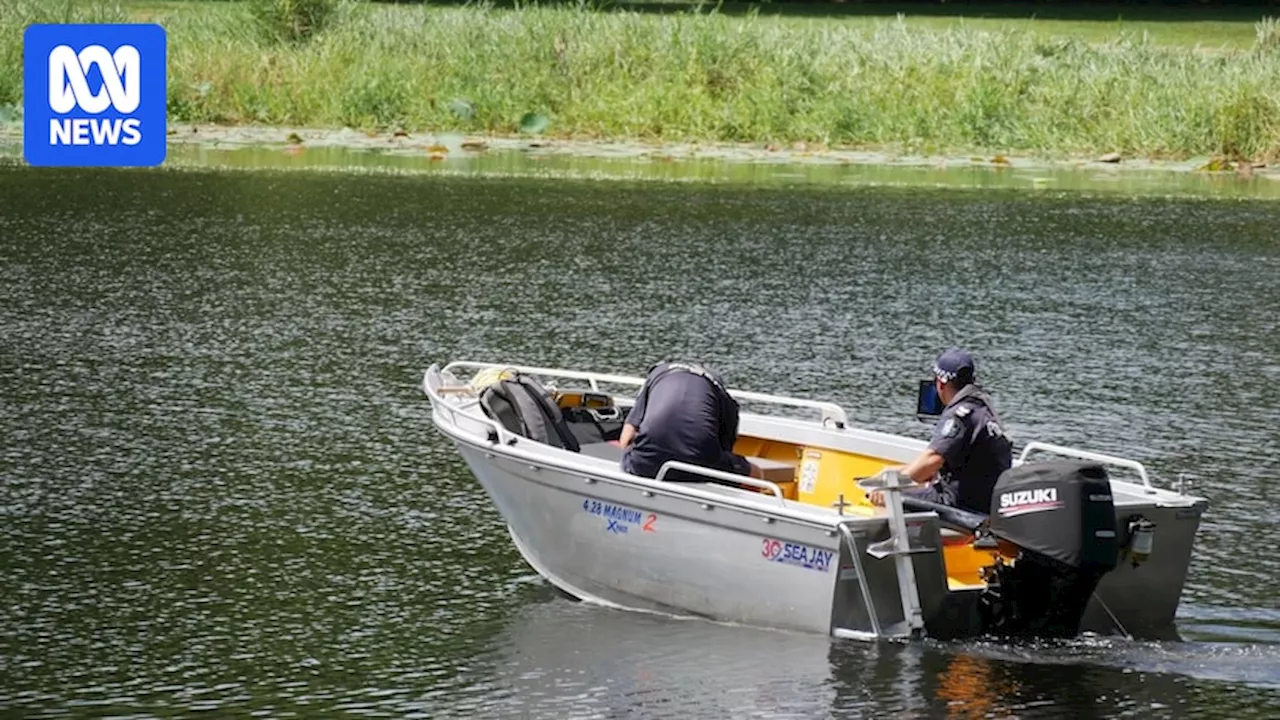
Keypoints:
pixel 1217 163
pixel 534 123
pixel 462 109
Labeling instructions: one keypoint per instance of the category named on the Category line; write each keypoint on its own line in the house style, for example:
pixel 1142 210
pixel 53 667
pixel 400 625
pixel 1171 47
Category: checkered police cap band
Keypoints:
pixel 943 375
pixel 954 364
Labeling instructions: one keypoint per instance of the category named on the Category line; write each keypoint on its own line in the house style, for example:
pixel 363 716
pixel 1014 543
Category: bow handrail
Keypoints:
pixel 435 393
pixel 828 411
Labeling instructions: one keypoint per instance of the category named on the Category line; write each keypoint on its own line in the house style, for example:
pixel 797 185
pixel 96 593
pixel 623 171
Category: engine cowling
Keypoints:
pixel 1061 517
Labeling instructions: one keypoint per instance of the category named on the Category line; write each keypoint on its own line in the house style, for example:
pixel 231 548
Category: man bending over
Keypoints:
pixel 683 412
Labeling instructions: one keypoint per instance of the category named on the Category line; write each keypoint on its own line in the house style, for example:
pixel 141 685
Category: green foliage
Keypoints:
pixel 534 123
pixel 1268 35
pixel 294 20
pixel 571 71
pixel 16 15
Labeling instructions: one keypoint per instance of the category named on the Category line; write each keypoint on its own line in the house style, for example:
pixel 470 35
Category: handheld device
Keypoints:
pixel 929 404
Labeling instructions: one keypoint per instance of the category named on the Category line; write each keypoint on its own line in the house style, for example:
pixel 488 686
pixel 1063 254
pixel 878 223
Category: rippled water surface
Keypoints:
pixel 219 488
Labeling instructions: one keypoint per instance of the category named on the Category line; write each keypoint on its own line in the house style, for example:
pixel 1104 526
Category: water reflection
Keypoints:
pixel 557 658
pixel 560 658
pixel 552 163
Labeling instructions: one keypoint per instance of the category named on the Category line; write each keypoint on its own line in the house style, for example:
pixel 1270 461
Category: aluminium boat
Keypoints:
pixel 1078 541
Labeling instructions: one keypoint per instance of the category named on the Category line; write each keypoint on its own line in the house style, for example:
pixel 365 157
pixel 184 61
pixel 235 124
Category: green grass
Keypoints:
pixel 932 85
pixel 1230 28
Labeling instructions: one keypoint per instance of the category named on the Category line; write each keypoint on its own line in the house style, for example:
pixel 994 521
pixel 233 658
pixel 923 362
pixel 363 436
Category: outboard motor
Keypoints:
pixel 1061 517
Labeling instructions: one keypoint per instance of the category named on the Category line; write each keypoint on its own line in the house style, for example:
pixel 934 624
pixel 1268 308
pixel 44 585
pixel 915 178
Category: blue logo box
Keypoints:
pixel 94 95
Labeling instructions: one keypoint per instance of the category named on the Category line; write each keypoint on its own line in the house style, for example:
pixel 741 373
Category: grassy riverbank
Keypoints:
pixel 924 88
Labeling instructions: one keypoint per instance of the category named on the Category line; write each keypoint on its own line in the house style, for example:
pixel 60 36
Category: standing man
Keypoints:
pixel 683 412
pixel 969 449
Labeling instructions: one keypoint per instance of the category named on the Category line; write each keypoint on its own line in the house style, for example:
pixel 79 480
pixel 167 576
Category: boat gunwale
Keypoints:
pixel 1143 494
pixel 800 513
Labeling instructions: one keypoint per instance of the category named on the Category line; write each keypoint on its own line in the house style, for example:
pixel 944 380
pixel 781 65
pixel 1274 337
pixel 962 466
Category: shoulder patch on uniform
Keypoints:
pixel 963 410
pixel 950 428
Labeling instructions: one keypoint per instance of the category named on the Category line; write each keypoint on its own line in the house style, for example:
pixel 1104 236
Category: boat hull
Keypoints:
pixel 631 548
pixel 1142 600
pixel 614 545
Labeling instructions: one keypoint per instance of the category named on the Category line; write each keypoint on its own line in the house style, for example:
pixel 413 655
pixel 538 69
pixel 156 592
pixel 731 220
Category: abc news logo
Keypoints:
pixel 69 90
pixel 96 95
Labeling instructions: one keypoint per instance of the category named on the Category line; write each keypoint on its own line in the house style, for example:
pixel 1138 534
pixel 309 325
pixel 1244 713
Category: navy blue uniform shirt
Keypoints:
pixel 974 451
pixel 680 415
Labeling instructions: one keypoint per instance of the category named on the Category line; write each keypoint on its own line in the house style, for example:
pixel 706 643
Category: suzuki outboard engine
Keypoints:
pixel 1061 517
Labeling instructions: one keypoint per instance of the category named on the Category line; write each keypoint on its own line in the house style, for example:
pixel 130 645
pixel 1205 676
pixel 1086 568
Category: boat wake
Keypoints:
pixel 1235 645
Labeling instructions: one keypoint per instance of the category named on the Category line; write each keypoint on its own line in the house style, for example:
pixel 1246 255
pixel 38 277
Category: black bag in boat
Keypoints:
pixel 589 427
pixel 1059 509
pixel 525 408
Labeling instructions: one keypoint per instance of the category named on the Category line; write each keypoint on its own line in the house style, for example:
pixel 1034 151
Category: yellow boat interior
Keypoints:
pixel 825 477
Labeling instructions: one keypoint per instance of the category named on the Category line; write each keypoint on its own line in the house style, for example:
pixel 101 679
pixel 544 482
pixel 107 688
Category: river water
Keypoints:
pixel 220 490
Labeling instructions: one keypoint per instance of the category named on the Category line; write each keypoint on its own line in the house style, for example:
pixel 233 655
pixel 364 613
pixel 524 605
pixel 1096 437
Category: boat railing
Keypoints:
pixel 670 465
pixel 499 435
pixel 1133 465
pixel 829 413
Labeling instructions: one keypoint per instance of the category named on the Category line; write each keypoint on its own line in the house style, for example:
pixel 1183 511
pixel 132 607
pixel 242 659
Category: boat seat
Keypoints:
pixel 603 450
pixel 775 471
